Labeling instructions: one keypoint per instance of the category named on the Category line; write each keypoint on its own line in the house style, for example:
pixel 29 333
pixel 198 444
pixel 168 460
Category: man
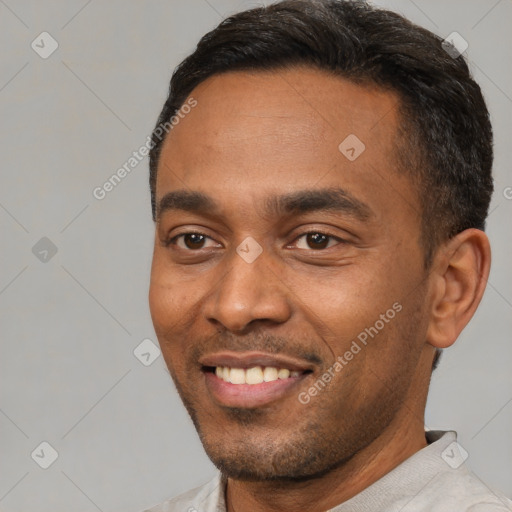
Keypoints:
pixel 320 178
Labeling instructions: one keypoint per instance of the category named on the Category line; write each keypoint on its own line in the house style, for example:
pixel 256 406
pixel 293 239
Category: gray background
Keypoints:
pixel 69 325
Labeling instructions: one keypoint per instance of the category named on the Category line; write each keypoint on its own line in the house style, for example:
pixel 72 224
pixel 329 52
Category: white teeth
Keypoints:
pixel 269 374
pixel 254 375
pixel 237 376
pixel 283 373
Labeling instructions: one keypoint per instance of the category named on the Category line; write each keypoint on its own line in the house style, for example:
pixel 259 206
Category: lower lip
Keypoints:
pixel 250 396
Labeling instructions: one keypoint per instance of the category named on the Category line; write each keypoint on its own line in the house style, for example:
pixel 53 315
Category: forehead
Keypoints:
pixel 256 131
pixel 295 105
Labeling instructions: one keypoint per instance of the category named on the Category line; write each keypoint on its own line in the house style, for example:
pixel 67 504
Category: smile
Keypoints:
pixel 254 375
pixel 252 379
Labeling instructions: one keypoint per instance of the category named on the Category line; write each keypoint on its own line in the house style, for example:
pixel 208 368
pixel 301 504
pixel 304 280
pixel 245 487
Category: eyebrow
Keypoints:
pixel 302 201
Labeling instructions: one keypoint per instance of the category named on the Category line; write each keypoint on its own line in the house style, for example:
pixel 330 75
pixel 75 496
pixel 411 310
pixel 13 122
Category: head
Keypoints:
pixel 350 155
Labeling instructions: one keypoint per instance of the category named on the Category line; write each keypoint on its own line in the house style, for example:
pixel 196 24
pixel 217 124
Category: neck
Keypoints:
pixel 338 486
pixel 403 437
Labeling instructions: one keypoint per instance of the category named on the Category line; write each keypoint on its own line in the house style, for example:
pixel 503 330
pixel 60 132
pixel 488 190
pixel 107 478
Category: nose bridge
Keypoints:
pixel 249 290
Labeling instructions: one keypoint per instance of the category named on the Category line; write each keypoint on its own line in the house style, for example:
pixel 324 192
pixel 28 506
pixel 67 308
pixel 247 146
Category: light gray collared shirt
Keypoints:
pixel 435 479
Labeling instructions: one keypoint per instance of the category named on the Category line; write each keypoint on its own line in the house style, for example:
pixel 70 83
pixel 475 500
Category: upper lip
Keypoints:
pixel 250 359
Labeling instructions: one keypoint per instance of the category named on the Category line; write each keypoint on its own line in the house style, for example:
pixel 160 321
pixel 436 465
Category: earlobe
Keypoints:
pixel 461 270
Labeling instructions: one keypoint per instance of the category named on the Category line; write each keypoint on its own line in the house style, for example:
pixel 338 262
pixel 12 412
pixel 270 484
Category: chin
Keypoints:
pixel 240 470
pixel 266 459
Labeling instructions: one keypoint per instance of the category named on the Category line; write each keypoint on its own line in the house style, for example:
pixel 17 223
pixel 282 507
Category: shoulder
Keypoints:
pixel 450 484
pixel 206 498
pixel 462 490
pixel 434 479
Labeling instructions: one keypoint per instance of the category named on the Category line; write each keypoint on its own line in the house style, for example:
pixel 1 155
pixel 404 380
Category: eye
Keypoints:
pixel 317 240
pixel 189 241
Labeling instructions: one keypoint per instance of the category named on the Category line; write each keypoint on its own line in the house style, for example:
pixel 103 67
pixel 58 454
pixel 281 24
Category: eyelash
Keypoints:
pixel 172 241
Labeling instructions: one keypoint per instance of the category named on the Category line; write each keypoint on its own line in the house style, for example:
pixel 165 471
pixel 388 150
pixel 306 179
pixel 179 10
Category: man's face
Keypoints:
pixel 324 276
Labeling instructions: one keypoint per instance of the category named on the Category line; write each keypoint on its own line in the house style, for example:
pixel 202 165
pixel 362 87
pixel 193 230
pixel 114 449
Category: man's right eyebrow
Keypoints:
pixel 190 201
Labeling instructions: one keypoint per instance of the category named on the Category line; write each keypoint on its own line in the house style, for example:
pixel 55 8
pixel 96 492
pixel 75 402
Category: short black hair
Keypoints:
pixel 445 136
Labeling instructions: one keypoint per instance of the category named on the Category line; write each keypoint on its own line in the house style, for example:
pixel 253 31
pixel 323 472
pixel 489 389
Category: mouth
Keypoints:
pixel 252 380
pixel 252 376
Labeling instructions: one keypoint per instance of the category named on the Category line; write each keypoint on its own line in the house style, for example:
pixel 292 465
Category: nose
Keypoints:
pixel 248 292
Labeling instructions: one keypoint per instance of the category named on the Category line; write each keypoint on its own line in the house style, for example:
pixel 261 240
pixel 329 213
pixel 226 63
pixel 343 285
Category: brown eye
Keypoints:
pixel 193 240
pixel 317 240
pixel 189 241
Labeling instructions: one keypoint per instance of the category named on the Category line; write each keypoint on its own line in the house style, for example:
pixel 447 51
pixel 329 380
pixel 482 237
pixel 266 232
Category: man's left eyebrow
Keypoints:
pixel 312 200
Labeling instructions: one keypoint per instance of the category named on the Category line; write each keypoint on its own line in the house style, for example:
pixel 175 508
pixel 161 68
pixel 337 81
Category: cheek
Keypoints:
pixel 165 304
pixel 159 294
pixel 170 309
pixel 167 298
pixel 166 313
pixel 173 305
pixel 350 300
pixel 159 306
pixel 371 305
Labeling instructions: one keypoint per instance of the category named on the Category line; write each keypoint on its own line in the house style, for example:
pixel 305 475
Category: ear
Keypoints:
pixel 461 269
